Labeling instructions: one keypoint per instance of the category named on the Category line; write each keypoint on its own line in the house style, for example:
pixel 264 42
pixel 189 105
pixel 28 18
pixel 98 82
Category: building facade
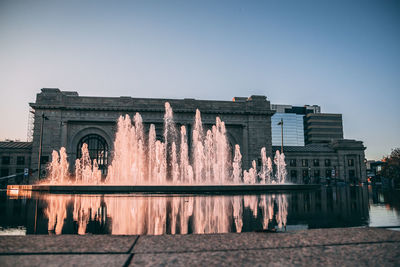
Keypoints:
pixel 15 157
pixel 322 127
pixel 339 160
pixel 65 119
pixel 293 118
pixel 314 146
pixel 293 129
pixel 71 120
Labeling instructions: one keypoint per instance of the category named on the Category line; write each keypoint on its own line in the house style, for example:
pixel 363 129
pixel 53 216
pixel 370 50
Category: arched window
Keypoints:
pixel 98 149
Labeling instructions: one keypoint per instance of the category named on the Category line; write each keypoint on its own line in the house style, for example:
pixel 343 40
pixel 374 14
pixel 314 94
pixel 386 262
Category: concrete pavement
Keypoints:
pixel 338 246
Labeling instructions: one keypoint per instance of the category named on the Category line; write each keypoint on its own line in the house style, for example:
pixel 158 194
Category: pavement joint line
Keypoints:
pixel 129 259
pixel 133 244
pixel 268 248
pixel 60 253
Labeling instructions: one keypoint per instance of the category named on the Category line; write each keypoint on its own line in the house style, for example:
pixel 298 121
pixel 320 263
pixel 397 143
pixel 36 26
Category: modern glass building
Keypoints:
pixel 293 129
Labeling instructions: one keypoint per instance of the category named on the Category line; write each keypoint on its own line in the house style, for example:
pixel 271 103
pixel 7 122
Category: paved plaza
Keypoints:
pixel 338 246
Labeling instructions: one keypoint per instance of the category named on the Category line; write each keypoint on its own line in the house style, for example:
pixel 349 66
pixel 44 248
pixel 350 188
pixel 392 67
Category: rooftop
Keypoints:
pixel 306 148
pixel 54 98
pixel 15 145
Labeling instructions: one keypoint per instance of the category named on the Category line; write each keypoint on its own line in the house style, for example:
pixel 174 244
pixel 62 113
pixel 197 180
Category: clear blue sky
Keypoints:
pixel 342 55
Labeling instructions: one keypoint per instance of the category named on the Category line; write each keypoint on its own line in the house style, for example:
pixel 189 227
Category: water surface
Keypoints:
pixel 121 214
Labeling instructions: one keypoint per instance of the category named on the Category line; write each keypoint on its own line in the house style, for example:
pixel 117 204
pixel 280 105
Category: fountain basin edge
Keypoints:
pixel 177 189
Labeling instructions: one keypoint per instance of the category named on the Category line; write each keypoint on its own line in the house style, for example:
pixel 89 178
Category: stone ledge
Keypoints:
pixel 242 188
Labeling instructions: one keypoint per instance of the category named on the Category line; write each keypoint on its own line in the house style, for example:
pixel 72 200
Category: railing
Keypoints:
pixel 11 176
pixel 16 174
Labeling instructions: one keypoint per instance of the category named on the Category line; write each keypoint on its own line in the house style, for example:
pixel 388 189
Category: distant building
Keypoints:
pixel 374 169
pixel 322 127
pixel 293 133
pixel 14 158
pixel 293 121
pixel 279 108
pixel 339 160
pixel 314 146
pixel 305 125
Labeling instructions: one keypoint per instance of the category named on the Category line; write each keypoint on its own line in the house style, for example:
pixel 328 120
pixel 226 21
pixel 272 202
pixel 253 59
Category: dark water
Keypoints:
pixel 185 214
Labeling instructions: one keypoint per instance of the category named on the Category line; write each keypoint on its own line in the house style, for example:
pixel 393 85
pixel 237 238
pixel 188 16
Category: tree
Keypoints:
pixel 392 167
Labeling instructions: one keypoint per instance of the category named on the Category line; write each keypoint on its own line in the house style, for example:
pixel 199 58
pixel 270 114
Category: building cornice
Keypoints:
pixel 141 109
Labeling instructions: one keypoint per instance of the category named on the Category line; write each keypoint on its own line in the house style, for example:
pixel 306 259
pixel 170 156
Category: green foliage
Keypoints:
pixel 392 167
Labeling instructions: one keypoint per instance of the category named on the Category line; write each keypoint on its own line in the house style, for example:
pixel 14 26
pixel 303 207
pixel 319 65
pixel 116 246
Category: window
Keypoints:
pixel 350 162
pixel 292 163
pixel 317 173
pixel 304 162
pixel 44 159
pixel 98 149
pixel 20 175
pixel 5 160
pixel 293 174
pixel 20 160
pixel 305 173
pixel 316 162
pixel 327 162
pixel 328 173
pixel 4 172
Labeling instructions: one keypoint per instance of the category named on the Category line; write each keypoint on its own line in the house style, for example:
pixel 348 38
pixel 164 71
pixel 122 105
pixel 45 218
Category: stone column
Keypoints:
pixel 64 132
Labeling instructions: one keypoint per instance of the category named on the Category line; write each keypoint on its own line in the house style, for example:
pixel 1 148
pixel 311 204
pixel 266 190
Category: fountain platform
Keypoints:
pixel 176 189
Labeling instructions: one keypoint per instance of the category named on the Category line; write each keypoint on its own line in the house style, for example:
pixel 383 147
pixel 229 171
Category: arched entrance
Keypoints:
pixel 98 149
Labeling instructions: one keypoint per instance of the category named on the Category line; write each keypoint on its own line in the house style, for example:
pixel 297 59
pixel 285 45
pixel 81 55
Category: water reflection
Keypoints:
pixel 384 207
pixel 155 215
pixel 177 214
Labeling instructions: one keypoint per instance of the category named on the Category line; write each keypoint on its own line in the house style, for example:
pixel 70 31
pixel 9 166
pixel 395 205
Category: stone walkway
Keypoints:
pixel 339 247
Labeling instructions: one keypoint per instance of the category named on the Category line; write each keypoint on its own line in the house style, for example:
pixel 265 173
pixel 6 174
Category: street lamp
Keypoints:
pixel 40 144
pixel 334 174
pixel 281 124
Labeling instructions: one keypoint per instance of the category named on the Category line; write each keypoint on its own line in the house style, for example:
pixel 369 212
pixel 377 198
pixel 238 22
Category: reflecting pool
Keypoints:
pixel 128 214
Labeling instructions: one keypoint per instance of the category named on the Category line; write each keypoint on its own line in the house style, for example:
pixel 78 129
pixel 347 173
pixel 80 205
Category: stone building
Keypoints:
pixel 340 160
pixel 69 120
pixel 14 158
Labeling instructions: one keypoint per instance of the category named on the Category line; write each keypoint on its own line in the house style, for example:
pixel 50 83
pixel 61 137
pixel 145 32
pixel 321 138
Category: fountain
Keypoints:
pixel 143 163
